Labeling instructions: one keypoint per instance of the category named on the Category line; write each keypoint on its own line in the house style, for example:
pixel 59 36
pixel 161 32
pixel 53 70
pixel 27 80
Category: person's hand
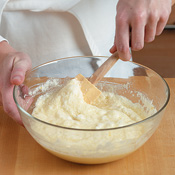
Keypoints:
pixel 13 66
pixel 138 21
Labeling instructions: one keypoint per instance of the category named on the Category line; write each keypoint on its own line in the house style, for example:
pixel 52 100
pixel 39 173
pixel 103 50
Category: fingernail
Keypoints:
pixel 150 39
pixel 16 78
pixel 138 46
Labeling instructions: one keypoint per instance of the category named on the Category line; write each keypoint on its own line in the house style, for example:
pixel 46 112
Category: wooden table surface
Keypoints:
pixel 21 155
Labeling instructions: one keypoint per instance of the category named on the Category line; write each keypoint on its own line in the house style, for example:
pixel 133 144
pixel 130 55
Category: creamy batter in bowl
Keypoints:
pixel 99 144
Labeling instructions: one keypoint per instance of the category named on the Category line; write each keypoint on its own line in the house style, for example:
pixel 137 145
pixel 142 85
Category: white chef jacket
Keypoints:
pixel 51 29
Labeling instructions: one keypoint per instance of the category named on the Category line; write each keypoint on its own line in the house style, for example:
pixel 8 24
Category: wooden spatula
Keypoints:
pixel 90 92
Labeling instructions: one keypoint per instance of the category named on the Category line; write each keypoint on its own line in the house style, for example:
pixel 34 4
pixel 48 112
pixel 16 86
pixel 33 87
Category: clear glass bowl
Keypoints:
pixel 93 146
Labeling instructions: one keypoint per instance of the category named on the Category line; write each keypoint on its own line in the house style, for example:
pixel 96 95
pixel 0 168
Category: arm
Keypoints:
pixel 13 66
pixel 137 22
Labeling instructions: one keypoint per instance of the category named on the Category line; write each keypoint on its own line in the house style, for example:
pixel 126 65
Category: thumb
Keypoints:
pixel 20 66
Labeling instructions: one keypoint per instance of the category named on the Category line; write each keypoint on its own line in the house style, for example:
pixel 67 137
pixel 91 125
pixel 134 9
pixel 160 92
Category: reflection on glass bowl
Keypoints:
pixel 93 146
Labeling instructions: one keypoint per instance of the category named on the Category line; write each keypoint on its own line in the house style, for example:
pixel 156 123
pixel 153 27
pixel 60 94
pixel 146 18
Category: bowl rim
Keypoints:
pixel 97 130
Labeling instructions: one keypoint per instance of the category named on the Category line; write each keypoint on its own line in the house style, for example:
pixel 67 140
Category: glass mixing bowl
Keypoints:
pixel 93 146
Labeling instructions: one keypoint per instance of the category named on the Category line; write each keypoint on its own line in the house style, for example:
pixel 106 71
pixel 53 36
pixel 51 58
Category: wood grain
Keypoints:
pixel 20 154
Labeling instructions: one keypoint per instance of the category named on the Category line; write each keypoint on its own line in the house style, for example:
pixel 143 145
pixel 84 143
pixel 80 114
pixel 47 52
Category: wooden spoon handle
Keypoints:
pixel 104 68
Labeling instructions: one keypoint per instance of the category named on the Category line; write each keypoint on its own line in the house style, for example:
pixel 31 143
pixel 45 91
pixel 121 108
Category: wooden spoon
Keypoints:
pixel 90 92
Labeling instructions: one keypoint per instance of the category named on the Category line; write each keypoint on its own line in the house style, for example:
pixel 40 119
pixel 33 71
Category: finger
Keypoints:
pixel 163 20
pixel 113 49
pixel 137 34
pixel 122 40
pixel 21 64
pixel 150 28
pixel 161 24
pixel 8 103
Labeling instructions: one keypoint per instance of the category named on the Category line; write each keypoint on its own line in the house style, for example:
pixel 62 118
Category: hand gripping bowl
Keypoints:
pixel 93 146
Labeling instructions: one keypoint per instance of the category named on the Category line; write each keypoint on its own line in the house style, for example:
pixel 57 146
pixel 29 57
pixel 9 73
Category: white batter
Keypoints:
pixel 66 107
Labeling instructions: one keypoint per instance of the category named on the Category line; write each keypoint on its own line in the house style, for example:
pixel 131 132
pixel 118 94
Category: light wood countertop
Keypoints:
pixel 21 155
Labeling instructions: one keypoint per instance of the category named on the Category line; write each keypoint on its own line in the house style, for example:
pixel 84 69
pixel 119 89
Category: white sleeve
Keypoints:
pixel 2 39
